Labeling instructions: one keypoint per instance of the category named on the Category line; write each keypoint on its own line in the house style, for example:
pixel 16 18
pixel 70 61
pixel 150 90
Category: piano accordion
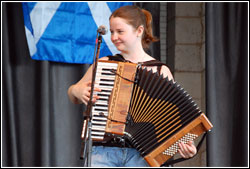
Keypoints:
pixel 154 113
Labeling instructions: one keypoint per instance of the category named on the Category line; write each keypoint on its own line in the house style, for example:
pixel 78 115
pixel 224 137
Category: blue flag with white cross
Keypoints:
pixel 66 31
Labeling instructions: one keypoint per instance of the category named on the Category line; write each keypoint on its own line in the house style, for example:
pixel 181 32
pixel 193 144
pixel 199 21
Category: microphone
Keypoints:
pixel 102 30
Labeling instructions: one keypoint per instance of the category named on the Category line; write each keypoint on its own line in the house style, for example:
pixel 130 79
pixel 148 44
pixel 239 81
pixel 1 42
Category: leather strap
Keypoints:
pixel 120 58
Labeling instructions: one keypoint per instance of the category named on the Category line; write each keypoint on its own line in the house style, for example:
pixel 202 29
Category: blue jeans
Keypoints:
pixel 116 157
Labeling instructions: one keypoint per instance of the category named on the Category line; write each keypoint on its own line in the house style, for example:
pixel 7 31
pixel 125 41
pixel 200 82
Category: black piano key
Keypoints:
pixel 106 69
pixel 105 95
pixel 101 105
pixel 103 99
pixel 98 109
pixel 107 80
pixel 105 84
pixel 112 74
pixel 108 91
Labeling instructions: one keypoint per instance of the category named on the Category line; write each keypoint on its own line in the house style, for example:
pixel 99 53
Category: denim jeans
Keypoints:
pixel 116 157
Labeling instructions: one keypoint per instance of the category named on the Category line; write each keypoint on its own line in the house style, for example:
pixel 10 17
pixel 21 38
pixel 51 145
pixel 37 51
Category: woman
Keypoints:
pixel 131 33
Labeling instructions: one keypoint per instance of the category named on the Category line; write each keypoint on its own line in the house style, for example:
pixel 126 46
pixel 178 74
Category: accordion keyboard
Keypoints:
pixel 115 79
pixel 105 81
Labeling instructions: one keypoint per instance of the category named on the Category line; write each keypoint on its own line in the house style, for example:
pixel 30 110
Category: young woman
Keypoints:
pixel 131 33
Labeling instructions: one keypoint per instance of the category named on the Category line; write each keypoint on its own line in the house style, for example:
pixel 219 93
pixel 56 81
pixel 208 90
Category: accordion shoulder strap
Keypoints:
pixel 120 58
pixel 154 63
pixel 117 57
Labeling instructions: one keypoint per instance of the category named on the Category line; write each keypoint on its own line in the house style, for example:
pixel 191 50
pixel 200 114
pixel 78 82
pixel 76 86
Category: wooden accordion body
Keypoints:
pixel 154 113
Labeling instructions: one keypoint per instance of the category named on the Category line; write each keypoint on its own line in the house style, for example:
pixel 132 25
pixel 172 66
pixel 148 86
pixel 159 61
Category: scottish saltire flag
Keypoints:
pixel 66 31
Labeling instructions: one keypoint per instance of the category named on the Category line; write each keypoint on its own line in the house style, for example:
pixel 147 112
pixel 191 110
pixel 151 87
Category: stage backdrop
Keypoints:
pixel 226 83
pixel 41 127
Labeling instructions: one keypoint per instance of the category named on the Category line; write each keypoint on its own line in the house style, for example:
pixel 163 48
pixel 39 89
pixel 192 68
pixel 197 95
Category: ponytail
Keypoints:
pixel 148 37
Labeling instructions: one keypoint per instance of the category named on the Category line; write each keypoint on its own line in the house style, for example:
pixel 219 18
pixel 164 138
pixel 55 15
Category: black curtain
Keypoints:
pixel 227 83
pixel 40 126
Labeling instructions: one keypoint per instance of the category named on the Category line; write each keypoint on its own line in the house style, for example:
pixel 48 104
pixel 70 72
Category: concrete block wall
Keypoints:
pixel 163 33
pixel 190 59
pixel 184 37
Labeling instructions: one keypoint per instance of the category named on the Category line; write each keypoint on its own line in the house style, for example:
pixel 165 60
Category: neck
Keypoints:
pixel 135 56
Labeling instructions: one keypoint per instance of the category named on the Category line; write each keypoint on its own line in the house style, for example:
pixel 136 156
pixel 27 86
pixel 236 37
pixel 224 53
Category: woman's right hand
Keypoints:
pixel 81 91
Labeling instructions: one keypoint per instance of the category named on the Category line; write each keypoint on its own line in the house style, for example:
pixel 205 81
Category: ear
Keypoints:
pixel 140 31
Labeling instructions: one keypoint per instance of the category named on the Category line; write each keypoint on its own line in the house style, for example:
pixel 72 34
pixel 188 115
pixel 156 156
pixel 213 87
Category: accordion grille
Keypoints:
pixel 159 108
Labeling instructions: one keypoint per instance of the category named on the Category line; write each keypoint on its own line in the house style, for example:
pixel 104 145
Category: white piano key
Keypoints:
pixel 97 133
pixel 98 137
pixel 98 122
pixel 105 67
pixel 107 87
pixel 102 123
pixel 105 64
pixel 107 77
pixel 101 108
pixel 96 112
pixel 99 118
pixel 96 127
pixel 101 102
pixel 104 98
pixel 99 113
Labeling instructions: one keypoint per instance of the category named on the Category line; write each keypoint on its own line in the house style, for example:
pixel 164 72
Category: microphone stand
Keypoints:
pixel 86 147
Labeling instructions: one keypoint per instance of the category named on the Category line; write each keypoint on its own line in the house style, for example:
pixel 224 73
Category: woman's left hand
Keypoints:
pixel 187 150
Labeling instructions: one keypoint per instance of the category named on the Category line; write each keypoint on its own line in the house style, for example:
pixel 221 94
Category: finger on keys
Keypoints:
pixel 191 148
pixel 97 89
pixel 95 97
pixel 183 150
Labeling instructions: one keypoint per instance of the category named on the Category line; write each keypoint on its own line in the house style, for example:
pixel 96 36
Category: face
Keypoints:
pixel 123 35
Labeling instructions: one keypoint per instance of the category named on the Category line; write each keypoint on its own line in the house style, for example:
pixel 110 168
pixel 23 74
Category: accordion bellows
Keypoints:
pixel 153 112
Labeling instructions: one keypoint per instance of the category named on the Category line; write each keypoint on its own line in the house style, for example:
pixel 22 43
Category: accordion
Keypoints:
pixel 154 113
